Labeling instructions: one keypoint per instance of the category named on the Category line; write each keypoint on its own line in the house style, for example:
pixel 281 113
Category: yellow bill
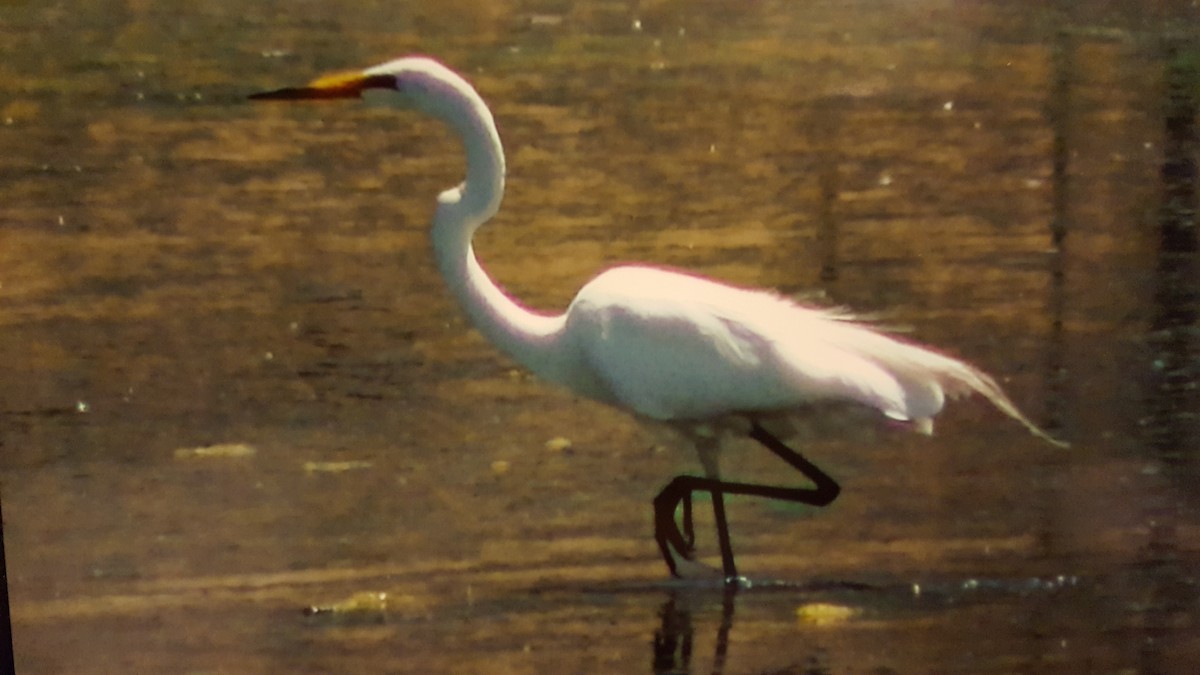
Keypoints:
pixel 349 84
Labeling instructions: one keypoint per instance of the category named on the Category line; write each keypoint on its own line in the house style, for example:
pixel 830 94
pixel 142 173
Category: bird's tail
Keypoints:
pixel 957 379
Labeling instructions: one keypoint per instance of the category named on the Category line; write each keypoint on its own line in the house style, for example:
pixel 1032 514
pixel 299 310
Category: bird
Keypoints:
pixel 707 358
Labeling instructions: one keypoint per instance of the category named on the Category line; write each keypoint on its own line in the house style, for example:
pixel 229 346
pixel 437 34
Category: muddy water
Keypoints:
pixel 234 388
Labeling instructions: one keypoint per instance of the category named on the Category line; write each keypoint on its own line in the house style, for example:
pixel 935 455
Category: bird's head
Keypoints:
pixel 413 81
pixel 428 86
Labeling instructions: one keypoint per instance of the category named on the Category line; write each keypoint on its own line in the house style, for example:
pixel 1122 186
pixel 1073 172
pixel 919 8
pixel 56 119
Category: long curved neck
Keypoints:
pixel 527 336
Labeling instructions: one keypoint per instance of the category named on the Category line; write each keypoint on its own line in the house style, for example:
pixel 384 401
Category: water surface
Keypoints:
pixel 180 268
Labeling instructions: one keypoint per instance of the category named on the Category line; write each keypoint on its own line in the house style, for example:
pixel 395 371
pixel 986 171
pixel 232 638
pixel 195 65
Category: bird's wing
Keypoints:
pixel 673 346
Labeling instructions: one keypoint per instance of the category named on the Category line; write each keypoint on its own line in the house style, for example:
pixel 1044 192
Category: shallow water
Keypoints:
pixel 181 269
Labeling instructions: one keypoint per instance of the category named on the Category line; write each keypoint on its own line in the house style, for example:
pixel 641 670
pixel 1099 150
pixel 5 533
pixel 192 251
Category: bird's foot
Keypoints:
pixel 694 570
pixel 691 569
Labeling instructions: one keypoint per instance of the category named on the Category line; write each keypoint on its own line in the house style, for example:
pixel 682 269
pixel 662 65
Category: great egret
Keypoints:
pixel 705 357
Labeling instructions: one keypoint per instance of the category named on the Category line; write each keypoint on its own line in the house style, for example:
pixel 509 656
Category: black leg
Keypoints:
pixel 689 531
pixel 672 541
pixel 666 531
pixel 826 489
pixel 727 566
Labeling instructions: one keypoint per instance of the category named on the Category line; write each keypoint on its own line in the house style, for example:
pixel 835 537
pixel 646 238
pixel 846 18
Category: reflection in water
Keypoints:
pixel 826 117
pixel 1172 401
pixel 6 646
pixel 673 640
pixel 1057 348
pixel 1058 111
pixel 1173 391
pixel 687 618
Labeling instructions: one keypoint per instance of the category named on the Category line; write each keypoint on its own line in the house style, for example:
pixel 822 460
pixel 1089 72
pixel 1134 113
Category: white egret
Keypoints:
pixel 705 357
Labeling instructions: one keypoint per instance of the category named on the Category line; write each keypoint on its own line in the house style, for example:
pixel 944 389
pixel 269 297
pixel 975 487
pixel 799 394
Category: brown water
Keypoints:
pixel 179 268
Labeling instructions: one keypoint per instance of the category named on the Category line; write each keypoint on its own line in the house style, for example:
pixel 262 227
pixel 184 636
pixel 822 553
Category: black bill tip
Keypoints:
pixel 301 94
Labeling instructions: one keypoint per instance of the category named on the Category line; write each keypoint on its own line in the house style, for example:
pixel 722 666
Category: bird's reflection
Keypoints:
pixel 673 640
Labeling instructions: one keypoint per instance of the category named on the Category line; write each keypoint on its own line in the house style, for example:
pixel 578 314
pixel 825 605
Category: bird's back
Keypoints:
pixel 672 346
pixel 675 346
